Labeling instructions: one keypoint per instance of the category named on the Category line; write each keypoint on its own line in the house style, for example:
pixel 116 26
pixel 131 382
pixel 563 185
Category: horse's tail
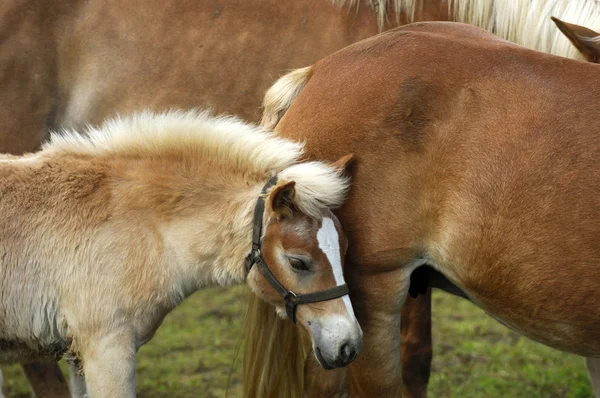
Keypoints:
pixel 275 349
pixel 274 353
pixel 281 94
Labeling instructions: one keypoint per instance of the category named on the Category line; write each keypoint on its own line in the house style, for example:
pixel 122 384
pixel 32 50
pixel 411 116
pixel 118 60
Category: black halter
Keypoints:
pixel 255 257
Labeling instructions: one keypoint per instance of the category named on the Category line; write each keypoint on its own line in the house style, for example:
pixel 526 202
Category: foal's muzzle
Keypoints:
pixel 337 341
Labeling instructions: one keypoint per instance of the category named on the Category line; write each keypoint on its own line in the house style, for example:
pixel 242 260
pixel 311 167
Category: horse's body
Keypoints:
pixel 102 236
pixel 73 62
pixel 476 157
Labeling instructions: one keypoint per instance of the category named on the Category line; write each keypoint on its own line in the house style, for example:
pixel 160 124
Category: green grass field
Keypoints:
pixel 474 356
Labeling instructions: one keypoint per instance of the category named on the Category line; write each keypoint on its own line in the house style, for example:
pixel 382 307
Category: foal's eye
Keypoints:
pixel 298 263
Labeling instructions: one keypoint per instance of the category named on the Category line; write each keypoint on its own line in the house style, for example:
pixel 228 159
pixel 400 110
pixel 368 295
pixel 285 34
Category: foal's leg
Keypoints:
pixel 377 300
pixel 593 366
pixel 46 380
pixel 1 382
pixel 76 382
pixel 109 366
pixel 416 349
pixel 319 382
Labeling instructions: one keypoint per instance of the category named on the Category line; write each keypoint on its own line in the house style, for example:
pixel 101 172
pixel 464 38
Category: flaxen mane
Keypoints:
pixel 226 141
pixel 525 22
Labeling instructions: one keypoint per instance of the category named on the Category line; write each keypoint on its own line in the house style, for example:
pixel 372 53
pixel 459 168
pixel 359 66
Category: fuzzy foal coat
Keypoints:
pixel 101 236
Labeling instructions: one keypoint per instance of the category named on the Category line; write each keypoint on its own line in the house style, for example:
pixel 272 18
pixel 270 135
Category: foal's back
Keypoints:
pixel 477 154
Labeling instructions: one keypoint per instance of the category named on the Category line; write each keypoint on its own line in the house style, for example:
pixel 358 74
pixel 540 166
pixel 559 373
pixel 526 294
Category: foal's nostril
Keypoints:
pixel 347 353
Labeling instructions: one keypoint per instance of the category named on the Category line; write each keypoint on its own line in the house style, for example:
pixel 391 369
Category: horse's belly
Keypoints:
pixel 12 351
pixel 30 331
pixel 574 329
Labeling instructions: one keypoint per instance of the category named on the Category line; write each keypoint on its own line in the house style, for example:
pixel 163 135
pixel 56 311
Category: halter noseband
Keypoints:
pixel 255 257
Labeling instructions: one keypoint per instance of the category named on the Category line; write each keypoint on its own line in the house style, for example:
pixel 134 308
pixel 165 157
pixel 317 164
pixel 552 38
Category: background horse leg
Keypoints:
pixel 76 382
pixel 319 382
pixel 593 367
pixel 416 348
pixel 1 382
pixel 46 380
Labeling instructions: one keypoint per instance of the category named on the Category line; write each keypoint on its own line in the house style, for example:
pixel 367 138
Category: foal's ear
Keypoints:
pixel 281 198
pixel 344 163
pixel 585 40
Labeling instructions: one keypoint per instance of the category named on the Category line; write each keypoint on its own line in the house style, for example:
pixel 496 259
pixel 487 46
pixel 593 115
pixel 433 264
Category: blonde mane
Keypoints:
pixel 190 134
pixel 198 136
pixel 524 22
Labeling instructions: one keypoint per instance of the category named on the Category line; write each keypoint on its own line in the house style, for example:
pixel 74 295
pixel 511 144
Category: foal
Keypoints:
pixel 102 235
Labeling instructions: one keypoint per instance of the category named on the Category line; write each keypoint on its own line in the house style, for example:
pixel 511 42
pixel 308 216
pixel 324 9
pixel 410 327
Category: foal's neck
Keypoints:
pixel 209 233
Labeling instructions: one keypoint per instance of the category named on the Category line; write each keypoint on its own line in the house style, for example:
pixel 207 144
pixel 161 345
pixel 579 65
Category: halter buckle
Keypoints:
pixel 291 301
pixel 251 258
pixel 291 297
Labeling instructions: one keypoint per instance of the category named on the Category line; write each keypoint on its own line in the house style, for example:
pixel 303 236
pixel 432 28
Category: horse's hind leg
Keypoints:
pixel 593 367
pixel 415 347
pixel 46 380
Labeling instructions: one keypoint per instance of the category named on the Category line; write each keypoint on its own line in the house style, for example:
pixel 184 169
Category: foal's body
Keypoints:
pixel 478 158
pixel 101 237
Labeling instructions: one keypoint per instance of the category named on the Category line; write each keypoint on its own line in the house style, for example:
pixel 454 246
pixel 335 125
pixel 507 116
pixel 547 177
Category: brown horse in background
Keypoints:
pixel 71 62
pixel 477 158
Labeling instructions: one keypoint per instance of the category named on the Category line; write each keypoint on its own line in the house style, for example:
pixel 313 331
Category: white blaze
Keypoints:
pixel 329 243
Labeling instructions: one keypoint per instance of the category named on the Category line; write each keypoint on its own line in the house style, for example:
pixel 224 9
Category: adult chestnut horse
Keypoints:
pixel 477 158
pixel 73 62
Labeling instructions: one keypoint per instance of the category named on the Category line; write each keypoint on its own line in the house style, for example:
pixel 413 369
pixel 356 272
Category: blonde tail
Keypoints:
pixel 274 353
pixel 281 94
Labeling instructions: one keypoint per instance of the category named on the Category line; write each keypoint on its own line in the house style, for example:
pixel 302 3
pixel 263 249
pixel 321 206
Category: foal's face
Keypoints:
pixel 306 256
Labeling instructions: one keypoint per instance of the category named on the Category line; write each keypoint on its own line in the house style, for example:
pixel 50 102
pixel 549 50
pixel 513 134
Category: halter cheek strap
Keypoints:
pixel 292 300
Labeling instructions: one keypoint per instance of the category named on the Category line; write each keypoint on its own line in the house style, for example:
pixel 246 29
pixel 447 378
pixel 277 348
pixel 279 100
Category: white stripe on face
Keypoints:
pixel 329 243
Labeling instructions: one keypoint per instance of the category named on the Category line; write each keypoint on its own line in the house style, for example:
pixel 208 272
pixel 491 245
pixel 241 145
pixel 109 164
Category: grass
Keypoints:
pixel 474 356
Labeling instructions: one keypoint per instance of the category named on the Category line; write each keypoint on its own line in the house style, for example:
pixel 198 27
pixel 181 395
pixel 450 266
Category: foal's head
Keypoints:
pixel 303 248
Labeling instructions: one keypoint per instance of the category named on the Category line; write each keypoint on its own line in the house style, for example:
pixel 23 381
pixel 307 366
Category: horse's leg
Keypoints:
pixel 109 366
pixel 593 367
pixel 416 349
pixel 319 382
pixel 76 382
pixel 1 382
pixel 377 300
pixel 46 380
